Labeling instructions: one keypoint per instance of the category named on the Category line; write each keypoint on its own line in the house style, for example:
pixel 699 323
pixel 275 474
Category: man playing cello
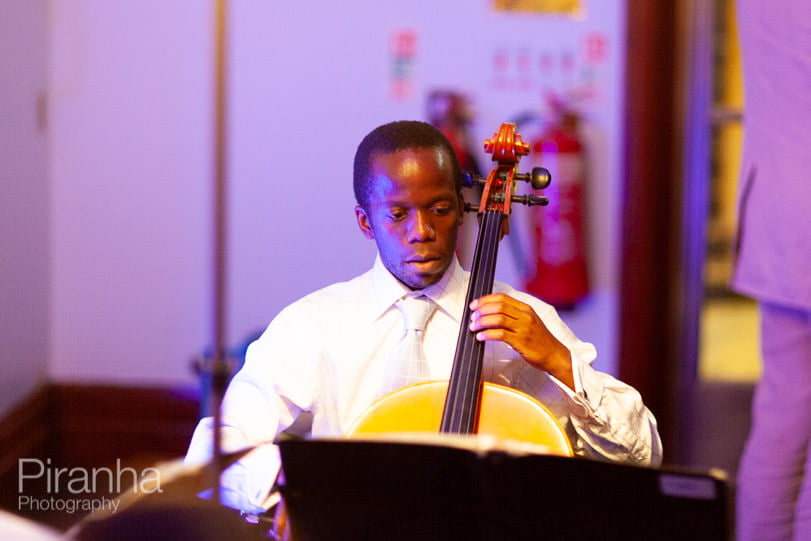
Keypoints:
pixel 330 352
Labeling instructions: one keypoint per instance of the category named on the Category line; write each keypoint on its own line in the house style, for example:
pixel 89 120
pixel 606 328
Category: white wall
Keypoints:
pixel 309 80
pixel 131 158
pixel 23 201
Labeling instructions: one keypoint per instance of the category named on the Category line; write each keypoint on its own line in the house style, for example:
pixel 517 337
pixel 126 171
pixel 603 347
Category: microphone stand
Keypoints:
pixel 219 366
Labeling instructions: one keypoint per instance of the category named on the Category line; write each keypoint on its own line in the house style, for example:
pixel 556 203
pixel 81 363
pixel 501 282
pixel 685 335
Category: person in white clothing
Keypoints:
pixel 408 188
pixel 773 266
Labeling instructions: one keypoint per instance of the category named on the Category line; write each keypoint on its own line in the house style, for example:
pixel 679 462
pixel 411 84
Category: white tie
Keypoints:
pixel 409 365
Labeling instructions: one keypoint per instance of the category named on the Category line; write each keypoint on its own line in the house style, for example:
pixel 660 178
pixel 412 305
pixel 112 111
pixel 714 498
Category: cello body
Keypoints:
pixel 504 413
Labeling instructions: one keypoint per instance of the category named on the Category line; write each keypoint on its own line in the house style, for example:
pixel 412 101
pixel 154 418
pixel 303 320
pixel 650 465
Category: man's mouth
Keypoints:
pixel 423 263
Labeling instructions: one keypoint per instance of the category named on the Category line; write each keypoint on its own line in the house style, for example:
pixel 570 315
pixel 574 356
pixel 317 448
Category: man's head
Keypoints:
pixel 408 188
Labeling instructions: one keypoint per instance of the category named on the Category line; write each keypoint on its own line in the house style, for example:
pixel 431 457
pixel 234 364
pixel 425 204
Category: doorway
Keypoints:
pixel 728 342
pixel 727 357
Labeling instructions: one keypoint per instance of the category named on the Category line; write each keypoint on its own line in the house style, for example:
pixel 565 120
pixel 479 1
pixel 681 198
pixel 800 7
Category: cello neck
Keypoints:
pixel 460 413
pixel 461 410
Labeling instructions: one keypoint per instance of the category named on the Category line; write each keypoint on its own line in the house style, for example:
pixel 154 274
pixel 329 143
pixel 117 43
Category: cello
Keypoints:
pixel 464 404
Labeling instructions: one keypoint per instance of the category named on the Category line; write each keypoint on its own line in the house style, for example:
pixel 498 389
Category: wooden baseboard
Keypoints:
pixel 92 426
pixel 25 431
pixel 98 423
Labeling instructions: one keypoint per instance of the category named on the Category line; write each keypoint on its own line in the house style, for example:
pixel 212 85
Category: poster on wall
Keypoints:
pixel 403 55
pixel 542 6
pixel 575 71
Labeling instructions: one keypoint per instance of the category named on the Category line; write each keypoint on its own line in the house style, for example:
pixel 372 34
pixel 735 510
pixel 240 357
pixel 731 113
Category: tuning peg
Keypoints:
pixel 470 179
pixel 539 178
pixel 530 200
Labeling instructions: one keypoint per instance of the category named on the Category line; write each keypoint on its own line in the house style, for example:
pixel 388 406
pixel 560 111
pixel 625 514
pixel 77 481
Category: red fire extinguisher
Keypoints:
pixel 559 275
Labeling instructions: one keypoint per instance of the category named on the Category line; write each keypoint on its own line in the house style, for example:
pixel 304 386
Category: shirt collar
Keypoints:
pixel 449 293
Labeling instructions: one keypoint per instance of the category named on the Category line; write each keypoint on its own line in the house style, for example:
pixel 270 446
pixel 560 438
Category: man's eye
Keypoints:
pixel 397 214
pixel 442 211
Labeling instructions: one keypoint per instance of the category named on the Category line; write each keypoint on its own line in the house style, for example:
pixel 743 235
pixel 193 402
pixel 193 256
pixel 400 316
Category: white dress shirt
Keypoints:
pixel 325 354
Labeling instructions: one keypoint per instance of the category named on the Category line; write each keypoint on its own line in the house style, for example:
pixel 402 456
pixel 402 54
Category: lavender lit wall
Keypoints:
pixel 130 158
pixel 130 171
pixel 23 201
pixel 309 82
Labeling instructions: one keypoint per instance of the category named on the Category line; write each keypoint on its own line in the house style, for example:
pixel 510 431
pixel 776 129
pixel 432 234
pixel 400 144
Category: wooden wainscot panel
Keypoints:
pixel 66 429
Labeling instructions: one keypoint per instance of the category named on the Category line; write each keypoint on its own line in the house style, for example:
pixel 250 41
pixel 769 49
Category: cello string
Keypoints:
pixel 452 419
pixel 483 287
pixel 466 388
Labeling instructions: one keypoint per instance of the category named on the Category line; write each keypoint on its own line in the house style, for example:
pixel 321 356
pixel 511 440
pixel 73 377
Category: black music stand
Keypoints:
pixel 349 489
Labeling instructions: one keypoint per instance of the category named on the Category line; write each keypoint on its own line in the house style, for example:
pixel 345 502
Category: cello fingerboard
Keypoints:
pixel 460 412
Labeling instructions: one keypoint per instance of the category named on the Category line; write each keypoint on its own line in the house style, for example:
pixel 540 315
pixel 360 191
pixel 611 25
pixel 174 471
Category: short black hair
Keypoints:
pixel 394 136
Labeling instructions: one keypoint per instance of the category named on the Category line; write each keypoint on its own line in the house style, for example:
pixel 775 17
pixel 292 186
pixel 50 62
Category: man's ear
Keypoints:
pixel 364 223
pixel 461 210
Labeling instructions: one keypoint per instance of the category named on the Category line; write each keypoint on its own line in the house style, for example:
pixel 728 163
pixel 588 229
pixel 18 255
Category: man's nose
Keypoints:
pixel 422 228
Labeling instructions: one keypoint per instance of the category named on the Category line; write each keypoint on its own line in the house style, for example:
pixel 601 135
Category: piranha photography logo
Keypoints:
pixel 41 486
